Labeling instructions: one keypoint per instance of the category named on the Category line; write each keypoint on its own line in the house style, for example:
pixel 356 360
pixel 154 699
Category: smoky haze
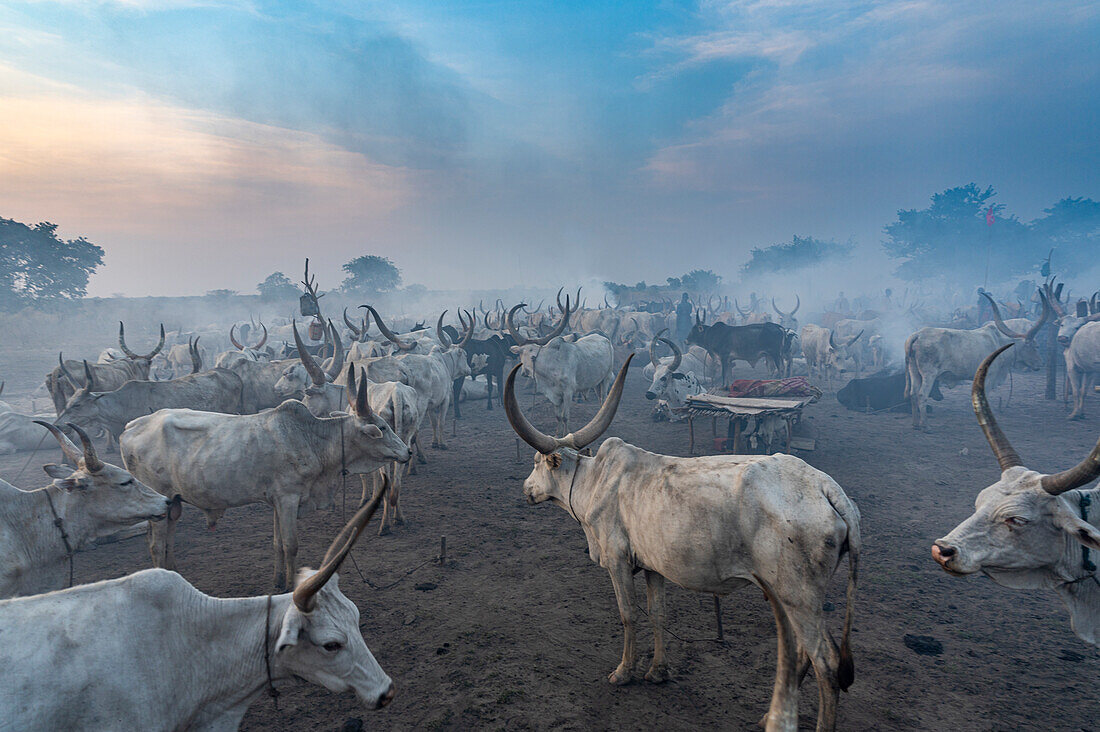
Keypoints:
pixel 205 146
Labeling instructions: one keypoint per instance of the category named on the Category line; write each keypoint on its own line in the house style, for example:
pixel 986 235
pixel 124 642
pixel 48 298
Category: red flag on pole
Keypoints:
pixel 989 216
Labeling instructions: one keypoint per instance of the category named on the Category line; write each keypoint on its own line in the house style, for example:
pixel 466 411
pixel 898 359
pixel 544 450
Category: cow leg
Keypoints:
pixel 825 657
pixel 563 413
pixel 782 715
pixel 489 387
pixel 655 603
pixel 915 385
pixel 1079 384
pixel 921 405
pixel 622 579
pixel 287 530
pixel 441 416
pixel 277 546
pixel 160 537
pixel 456 396
pixel 395 493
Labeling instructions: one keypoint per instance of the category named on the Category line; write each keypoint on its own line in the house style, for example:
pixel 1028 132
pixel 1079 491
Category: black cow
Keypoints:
pixel 741 342
pixel 495 349
pixel 884 391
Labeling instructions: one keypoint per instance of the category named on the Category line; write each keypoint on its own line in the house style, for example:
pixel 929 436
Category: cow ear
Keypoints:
pixel 554 460
pixel 57 471
pixel 70 484
pixel 292 628
pixel 1082 531
pixel 515 350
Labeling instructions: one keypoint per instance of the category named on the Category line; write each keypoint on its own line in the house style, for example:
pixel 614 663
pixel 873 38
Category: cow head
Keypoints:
pixel 108 495
pixel 787 320
pixel 319 638
pixel 142 362
pixel 669 384
pixel 556 458
pixel 83 407
pixel 297 378
pixel 698 333
pixel 1028 354
pixel 371 442
pixel 1024 526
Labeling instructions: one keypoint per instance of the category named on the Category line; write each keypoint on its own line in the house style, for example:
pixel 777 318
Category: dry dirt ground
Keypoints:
pixel 519 630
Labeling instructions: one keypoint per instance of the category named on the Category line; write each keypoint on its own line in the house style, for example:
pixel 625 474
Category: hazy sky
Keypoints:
pixel 206 144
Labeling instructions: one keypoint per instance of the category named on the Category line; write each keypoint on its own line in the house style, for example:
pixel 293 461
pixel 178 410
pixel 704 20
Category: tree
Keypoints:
pixel 371 274
pixel 222 294
pixel 951 240
pixel 1071 228
pixel 277 286
pixel 701 280
pixel 801 252
pixel 35 264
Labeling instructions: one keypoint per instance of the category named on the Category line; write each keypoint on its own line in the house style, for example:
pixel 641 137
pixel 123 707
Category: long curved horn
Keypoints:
pixel 196 357
pixel 65 372
pixel 560 306
pixel 797 304
pixel 1047 312
pixel 527 432
pixel 89 378
pixel 742 313
pixel 469 330
pixel 653 349
pixel 1002 448
pixel 591 432
pixel 355 332
pixel 339 549
pixel 443 339
pixel 1081 474
pixel 520 340
pixel 91 460
pixel 997 318
pixel 777 310
pixel 71 451
pixel 362 403
pixel 337 364
pixel 262 340
pixel 677 356
pixel 832 340
pixel 125 349
pixel 853 340
pixel 233 339
pixel 316 373
pixel 349 388
pixel 387 332
pixel 557 331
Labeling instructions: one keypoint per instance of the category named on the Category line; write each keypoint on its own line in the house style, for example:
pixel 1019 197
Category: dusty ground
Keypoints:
pixel 520 629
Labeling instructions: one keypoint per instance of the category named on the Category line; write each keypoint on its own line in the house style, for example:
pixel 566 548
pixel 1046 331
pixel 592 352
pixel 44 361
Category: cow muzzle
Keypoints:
pixel 650 395
pixel 945 555
pixel 387 696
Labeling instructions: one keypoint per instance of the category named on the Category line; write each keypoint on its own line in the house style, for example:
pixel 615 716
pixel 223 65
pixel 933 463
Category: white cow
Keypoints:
pixel 1027 530
pixel 1083 365
pixel 92 501
pixel 151 652
pixel 948 356
pixel 709 524
pixel 674 377
pixel 283 457
pixel 823 354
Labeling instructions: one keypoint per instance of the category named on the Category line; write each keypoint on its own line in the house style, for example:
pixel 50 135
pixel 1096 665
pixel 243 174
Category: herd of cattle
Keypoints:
pixel 283 425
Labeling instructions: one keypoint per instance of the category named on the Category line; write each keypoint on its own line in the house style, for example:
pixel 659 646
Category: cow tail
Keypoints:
pixel 909 365
pixel 848 513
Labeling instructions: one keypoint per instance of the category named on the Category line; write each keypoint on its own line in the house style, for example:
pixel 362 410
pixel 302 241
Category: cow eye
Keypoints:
pixel 1016 521
pixel 128 482
pixel 333 646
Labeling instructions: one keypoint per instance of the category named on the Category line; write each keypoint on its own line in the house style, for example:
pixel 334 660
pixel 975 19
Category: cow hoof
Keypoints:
pixel 384 531
pixel 619 677
pixel 1076 418
pixel 441 446
pixel 399 521
pixel 657 674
